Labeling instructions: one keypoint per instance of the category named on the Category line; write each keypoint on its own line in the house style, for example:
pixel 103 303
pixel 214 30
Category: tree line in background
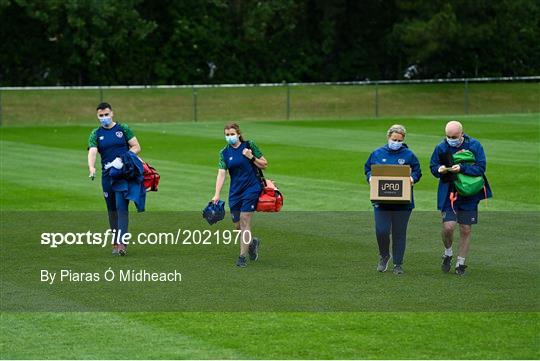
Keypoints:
pixel 108 42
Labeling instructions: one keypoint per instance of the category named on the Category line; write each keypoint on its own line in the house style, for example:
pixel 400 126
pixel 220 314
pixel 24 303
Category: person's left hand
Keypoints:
pixel 455 168
pixel 247 153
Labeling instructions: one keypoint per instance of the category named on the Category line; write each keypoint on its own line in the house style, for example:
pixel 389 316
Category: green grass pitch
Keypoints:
pixel 490 313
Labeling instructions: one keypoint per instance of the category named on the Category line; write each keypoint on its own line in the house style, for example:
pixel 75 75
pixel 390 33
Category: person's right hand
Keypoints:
pixel 215 199
pixel 443 169
pixel 92 171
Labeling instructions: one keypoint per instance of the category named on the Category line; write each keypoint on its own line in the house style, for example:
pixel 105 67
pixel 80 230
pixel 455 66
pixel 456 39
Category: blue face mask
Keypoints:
pixel 231 139
pixel 453 142
pixel 394 145
pixel 105 121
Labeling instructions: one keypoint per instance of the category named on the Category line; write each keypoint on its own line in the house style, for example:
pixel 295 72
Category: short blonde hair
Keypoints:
pixel 397 128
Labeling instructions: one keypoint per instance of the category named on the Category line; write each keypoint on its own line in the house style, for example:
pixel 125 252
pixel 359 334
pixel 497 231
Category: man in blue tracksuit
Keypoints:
pixel 111 140
pixel 463 210
pixel 393 218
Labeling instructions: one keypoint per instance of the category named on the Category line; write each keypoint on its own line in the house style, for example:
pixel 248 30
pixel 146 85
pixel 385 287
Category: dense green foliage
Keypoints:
pixel 90 42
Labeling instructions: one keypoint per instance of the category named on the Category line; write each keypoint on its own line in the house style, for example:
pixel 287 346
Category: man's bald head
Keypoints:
pixel 454 129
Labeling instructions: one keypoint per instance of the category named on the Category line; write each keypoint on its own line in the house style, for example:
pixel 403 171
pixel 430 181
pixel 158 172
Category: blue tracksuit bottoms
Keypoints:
pixel 392 222
pixel 117 207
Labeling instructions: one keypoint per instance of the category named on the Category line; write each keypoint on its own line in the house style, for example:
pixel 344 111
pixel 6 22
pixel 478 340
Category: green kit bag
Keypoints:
pixel 467 185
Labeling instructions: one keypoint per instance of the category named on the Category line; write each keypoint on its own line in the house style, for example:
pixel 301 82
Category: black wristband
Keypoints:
pixel 252 160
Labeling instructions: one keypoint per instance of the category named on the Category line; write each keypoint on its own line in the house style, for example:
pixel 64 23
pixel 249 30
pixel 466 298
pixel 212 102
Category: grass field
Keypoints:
pixel 314 293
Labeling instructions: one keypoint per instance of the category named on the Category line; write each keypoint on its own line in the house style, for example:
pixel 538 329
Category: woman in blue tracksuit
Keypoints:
pixel 241 158
pixel 393 218
pixel 111 140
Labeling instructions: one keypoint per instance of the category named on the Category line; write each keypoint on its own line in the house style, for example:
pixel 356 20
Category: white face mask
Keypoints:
pixel 454 142
pixel 231 139
pixel 394 144
pixel 105 121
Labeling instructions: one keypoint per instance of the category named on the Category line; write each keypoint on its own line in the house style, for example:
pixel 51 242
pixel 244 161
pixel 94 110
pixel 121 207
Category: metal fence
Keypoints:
pixel 276 101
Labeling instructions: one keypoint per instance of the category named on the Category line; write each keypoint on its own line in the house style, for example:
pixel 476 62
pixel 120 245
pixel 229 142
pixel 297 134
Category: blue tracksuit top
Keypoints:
pixel 402 156
pixel 129 181
pixel 478 169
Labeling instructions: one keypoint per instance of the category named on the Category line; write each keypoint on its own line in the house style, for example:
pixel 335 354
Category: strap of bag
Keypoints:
pixel 453 198
pixel 257 169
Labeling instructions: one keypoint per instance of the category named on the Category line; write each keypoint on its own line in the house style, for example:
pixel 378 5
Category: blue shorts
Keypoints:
pixel 246 203
pixel 465 213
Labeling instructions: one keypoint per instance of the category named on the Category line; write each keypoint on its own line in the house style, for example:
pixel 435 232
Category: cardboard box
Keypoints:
pixel 390 183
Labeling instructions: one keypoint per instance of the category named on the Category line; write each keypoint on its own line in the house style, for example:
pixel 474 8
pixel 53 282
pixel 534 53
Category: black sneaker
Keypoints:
pixel 460 270
pixel 254 249
pixel 398 270
pixel 241 262
pixel 383 263
pixel 445 266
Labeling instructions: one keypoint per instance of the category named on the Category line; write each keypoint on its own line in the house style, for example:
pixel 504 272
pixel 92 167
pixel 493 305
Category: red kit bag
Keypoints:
pixel 151 177
pixel 270 199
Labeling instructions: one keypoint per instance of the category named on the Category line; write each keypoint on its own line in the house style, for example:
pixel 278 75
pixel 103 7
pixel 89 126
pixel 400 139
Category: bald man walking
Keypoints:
pixel 463 210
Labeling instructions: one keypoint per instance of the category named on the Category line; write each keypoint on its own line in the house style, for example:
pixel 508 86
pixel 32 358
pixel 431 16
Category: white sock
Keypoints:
pixel 448 252
pixel 460 261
